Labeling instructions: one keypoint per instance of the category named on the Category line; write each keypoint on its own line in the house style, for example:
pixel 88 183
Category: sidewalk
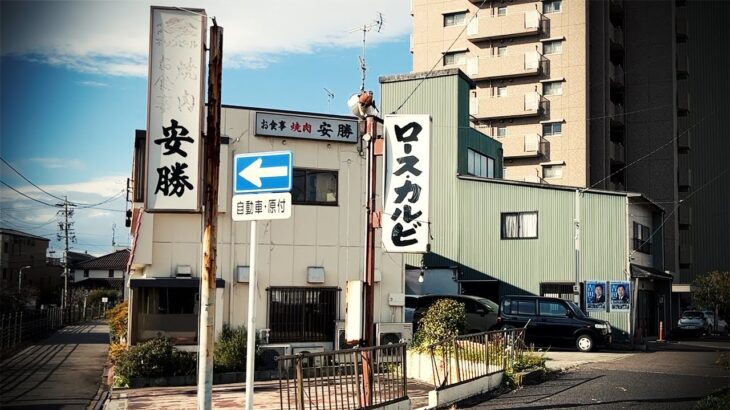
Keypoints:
pixel 227 396
pixel 61 372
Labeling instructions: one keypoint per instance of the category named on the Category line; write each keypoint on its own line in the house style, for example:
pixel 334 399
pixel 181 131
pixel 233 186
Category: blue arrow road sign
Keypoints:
pixel 262 172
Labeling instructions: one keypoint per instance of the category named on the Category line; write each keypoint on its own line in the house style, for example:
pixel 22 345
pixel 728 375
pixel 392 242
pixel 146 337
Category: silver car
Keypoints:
pixel 694 321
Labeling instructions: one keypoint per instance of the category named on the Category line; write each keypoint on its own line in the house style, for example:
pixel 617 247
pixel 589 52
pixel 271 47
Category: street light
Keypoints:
pixel 20 276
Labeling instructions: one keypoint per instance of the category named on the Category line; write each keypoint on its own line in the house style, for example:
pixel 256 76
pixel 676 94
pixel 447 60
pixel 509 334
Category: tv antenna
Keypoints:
pixel 330 97
pixel 377 25
pixel 114 235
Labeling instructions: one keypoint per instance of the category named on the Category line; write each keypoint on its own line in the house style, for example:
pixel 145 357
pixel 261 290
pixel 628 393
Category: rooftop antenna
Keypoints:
pixel 114 235
pixel 377 25
pixel 330 97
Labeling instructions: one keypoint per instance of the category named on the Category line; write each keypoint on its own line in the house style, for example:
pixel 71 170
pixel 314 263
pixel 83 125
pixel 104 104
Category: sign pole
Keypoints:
pixel 206 331
pixel 251 335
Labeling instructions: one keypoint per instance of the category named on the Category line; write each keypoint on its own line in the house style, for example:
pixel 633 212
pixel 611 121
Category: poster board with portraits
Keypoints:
pixel 620 296
pixel 595 296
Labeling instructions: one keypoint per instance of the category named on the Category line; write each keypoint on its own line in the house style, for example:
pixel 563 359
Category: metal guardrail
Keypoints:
pixel 22 326
pixel 467 357
pixel 339 379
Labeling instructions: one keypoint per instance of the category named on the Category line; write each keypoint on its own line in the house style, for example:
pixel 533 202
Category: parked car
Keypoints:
pixel 481 313
pixel 693 322
pixel 553 322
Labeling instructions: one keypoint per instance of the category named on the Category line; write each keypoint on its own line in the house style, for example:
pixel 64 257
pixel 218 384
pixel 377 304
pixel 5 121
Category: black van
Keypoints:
pixel 553 322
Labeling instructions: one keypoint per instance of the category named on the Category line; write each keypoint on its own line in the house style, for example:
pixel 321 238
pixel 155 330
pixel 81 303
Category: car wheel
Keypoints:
pixel 584 343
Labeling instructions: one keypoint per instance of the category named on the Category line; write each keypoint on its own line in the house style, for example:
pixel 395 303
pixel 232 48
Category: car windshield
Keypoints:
pixel 693 315
pixel 491 305
pixel 576 309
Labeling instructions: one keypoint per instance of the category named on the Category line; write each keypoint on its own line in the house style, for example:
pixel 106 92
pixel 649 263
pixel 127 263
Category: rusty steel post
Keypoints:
pixel 206 330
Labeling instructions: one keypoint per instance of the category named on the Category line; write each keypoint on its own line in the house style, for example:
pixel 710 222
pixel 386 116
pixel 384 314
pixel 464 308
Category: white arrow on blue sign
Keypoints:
pixel 262 172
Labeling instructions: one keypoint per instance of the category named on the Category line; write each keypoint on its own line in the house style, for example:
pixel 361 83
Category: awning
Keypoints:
pixel 171 283
pixel 644 272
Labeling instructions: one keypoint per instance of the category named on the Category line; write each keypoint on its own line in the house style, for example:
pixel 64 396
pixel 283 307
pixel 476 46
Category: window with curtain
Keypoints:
pixel 455 58
pixel 454 19
pixel 519 225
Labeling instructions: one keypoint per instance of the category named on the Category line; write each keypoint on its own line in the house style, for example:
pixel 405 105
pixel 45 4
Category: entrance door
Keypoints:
pixel 646 313
pixel 488 289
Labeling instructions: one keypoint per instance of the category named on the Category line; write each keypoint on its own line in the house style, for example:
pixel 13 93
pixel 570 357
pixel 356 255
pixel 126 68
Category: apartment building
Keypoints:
pixel 609 94
pixel 529 62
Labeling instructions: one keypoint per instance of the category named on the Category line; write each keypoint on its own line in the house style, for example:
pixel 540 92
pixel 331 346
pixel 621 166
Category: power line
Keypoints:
pixel 29 197
pixel 28 180
pixel 115 196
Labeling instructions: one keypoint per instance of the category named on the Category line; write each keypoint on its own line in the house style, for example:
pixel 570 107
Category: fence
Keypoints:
pixel 468 357
pixel 343 379
pixel 19 327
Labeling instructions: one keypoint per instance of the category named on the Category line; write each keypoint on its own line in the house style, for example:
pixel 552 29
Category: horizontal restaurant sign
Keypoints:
pixel 273 124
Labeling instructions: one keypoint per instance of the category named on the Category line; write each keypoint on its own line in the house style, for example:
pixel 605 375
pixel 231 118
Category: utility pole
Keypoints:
pixel 206 330
pixel 372 222
pixel 67 231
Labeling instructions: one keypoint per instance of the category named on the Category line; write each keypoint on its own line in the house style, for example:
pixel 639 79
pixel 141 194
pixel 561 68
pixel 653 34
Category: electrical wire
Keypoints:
pixel 29 197
pixel 29 181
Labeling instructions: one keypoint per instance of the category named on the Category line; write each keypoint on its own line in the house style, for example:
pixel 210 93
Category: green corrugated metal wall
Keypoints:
pixel 465 214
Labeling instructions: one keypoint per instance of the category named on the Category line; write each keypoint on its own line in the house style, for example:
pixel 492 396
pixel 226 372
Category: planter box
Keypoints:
pixel 218 378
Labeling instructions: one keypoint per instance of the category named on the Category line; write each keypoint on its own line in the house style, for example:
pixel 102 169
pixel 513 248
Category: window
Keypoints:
pixel 501 131
pixel 518 307
pixel 479 165
pixel 454 19
pixel 519 225
pixel 314 187
pixel 302 314
pixel 552 171
pixel 455 58
pixel 642 238
pixel 552 88
pixel 5 273
pixel 502 11
pixel 552 308
pixel 552 128
pixel 169 301
pixel 5 247
pixel 501 91
pixel 554 6
pixel 501 50
pixel 111 273
pixel 86 273
pixel 552 47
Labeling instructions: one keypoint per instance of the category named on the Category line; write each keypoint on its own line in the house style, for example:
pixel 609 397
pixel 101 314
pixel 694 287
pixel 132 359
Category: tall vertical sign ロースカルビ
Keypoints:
pixel 406 183
pixel 175 109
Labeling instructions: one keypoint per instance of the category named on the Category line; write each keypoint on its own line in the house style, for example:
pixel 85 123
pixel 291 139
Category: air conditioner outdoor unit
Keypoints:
pixel 390 333
pixel 263 336
pixel 340 339
pixel 315 361
pixel 269 354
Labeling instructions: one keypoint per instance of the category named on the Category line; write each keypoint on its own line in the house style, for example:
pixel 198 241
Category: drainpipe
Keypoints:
pixel 576 224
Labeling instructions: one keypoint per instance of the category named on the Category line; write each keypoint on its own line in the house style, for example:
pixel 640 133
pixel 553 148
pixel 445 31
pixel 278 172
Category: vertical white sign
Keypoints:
pixel 175 109
pixel 406 183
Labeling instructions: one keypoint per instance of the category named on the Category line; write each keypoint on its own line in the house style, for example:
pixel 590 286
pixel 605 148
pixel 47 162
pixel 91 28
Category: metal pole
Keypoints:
pixel 65 259
pixel 576 224
pixel 206 329
pixel 251 336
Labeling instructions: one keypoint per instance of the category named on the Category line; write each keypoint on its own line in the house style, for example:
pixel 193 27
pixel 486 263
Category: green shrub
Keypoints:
pixel 444 319
pixel 530 359
pixel 154 358
pixel 723 360
pixel 118 316
pixel 230 350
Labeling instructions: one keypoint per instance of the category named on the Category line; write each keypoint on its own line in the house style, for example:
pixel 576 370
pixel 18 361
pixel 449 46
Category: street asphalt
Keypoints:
pixel 61 372
pixel 674 377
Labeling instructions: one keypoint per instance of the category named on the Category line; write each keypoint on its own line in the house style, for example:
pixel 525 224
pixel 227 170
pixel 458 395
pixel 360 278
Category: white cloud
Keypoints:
pixel 96 84
pixel 111 37
pixel 58 163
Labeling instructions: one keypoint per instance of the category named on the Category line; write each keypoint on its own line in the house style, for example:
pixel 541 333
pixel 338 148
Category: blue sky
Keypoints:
pixel 74 90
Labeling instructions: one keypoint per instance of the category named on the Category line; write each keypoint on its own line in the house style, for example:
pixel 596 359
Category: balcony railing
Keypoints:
pixel 525 105
pixel 509 25
pixel 616 36
pixel 529 146
pixel 617 152
pixel 616 113
pixel 518 65
pixel 616 73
